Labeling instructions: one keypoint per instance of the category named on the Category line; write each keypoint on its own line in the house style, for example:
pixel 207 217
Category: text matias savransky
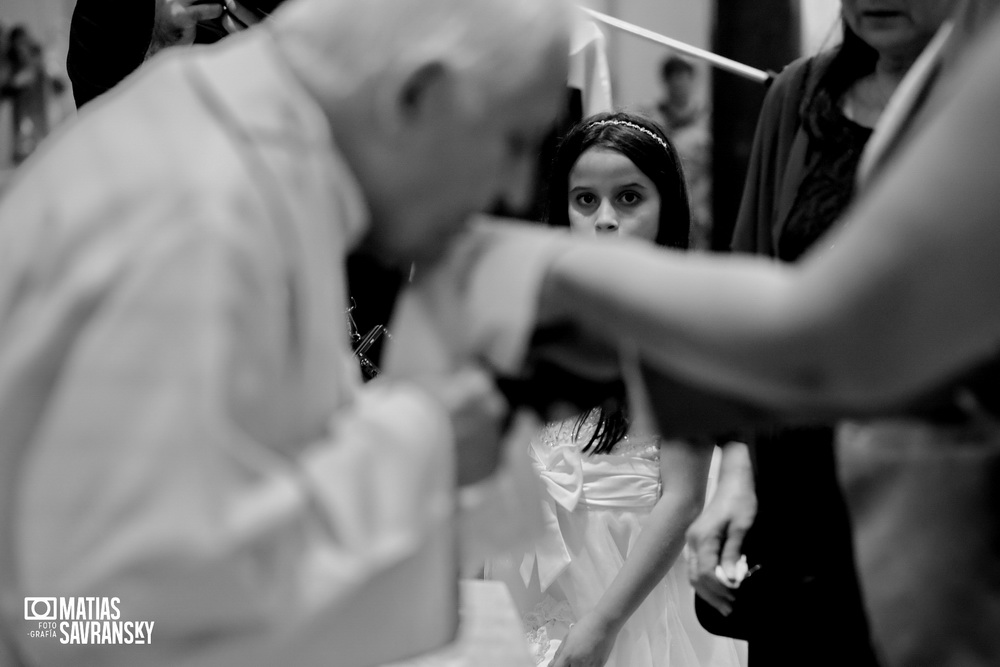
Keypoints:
pixel 85 620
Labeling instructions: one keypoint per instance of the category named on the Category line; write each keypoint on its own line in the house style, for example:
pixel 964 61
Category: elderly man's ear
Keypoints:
pixel 416 95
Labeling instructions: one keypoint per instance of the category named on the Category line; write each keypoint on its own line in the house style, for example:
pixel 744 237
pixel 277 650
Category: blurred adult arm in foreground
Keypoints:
pixel 893 306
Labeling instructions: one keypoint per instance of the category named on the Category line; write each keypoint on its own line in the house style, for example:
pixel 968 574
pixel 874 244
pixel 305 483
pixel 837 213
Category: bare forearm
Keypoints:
pixel 894 303
pixel 717 322
pixel 684 475
pixel 654 553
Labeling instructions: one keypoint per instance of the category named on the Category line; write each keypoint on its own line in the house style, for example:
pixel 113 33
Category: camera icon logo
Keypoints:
pixel 40 609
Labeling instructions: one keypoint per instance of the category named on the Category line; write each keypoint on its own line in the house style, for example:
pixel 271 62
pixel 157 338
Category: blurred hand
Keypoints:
pixel 174 22
pixel 716 537
pixel 588 644
pixel 478 415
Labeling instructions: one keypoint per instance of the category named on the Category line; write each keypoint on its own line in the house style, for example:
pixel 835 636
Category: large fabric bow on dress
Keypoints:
pixel 561 472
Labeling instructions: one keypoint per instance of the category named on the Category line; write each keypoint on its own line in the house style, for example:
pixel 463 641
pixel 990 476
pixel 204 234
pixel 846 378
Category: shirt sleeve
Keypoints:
pixel 193 461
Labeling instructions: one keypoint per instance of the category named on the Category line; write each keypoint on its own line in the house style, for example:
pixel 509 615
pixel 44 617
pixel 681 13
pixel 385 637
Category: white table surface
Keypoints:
pixel 490 632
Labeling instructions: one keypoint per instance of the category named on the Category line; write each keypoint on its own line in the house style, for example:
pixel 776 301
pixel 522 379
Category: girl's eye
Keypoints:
pixel 629 198
pixel 586 199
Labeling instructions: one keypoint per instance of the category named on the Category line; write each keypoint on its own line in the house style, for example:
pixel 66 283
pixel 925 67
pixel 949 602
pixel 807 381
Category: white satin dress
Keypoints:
pixel 595 507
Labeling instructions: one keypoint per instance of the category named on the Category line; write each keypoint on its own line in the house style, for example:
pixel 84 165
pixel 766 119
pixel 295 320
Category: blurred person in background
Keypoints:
pixel 685 115
pixel 29 86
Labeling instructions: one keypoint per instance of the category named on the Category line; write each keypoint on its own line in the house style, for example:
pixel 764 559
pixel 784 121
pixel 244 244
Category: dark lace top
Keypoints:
pixel 835 146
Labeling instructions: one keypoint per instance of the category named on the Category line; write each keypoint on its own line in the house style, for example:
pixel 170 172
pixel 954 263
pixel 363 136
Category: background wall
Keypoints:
pixel 48 21
pixel 820 24
pixel 635 62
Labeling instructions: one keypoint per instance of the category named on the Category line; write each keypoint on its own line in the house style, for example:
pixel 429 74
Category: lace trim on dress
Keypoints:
pixel 546 626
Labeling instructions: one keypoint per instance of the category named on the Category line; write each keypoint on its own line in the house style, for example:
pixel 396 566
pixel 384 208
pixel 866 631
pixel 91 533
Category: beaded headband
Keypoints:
pixel 632 125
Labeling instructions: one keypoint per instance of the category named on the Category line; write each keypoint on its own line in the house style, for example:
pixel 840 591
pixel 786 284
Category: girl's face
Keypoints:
pixel 608 194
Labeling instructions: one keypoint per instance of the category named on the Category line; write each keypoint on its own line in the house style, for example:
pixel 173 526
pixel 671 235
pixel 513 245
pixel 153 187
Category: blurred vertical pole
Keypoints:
pixel 763 34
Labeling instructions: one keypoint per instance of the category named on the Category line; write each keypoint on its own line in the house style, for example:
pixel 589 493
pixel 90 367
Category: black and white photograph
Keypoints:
pixel 499 333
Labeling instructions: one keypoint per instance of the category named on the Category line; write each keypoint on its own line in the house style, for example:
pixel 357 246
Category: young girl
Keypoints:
pixel 601 586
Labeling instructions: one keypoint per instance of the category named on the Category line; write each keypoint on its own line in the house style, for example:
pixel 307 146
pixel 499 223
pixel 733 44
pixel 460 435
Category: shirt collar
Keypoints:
pixel 267 101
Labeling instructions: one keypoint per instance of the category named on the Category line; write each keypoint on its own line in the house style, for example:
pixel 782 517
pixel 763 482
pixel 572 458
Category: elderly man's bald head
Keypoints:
pixel 495 43
pixel 438 106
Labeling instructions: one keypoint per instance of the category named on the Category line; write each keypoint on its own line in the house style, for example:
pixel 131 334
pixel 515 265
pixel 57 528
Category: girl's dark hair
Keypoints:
pixel 645 143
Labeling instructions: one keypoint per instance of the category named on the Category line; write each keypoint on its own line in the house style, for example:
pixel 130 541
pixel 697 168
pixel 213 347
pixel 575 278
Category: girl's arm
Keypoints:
pixel 684 473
